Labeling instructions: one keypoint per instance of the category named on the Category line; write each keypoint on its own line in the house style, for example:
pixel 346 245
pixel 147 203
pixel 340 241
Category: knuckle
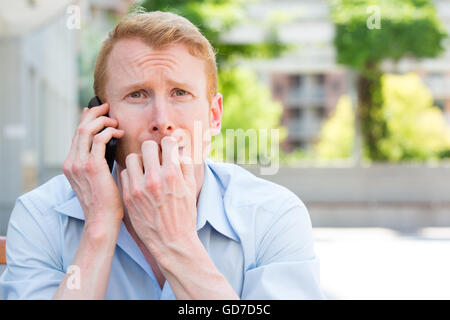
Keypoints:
pixel 153 184
pixel 83 129
pixel 76 168
pixel 106 120
pixel 99 138
pixel 90 166
pixel 170 174
pixel 66 167
pixel 136 192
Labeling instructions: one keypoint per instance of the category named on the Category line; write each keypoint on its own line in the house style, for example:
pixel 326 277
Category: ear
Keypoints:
pixel 215 114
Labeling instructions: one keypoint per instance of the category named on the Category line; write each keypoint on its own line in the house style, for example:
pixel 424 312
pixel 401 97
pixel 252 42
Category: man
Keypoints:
pixel 168 222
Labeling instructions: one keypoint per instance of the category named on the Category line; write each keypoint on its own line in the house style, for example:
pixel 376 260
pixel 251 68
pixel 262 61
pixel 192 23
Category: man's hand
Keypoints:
pixel 161 203
pixel 161 198
pixel 88 173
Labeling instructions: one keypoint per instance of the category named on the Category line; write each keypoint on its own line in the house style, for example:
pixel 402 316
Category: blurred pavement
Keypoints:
pixel 376 263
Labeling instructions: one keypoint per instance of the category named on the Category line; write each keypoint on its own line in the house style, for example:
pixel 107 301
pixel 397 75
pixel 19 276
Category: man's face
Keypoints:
pixel 155 92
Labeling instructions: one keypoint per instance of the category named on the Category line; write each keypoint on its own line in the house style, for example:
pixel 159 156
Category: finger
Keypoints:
pixel 135 168
pixel 99 123
pixel 83 114
pixel 75 136
pixel 170 156
pixel 87 131
pixel 150 156
pixel 96 112
pixel 125 182
pixel 188 169
pixel 184 141
pixel 101 139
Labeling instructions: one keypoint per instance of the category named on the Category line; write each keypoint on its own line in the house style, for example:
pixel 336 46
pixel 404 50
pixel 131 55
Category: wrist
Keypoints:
pixel 180 254
pixel 99 235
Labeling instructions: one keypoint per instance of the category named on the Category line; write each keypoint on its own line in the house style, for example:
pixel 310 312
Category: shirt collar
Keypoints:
pixel 210 205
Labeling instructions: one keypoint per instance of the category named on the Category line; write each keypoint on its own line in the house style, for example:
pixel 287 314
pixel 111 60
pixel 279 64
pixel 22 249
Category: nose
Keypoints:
pixel 161 123
pixel 164 128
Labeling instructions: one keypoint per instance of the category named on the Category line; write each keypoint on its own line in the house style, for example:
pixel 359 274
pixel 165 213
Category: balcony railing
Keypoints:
pixel 306 97
pixel 304 129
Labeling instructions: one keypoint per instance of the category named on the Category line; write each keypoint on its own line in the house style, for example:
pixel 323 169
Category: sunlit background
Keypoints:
pixel 360 91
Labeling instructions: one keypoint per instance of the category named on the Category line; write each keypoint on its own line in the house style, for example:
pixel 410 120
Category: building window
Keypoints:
pixel 296 81
pixel 320 78
pixel 320 112
pixel 298 144
pixel 295 113
pixel 278 90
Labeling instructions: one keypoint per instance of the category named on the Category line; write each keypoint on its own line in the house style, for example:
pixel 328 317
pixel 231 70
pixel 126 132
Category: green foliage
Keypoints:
pixel 416 129
pixel 338 132
pixel 408 27
pixel 214 18
pixel 91 40
pixel 248 105
pixel 295 157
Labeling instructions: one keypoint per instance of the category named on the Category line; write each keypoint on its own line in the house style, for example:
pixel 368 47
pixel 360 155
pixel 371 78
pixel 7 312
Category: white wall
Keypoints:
pixel 394 196
pixel 38 107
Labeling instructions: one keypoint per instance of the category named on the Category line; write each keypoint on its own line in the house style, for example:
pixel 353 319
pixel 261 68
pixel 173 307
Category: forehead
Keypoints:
pixel 133 60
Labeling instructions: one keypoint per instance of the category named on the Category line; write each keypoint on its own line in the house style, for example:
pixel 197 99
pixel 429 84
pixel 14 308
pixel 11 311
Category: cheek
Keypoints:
pixel 131 141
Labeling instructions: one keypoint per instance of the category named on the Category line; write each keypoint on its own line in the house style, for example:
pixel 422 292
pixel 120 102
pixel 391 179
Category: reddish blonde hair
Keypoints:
pixel 158 29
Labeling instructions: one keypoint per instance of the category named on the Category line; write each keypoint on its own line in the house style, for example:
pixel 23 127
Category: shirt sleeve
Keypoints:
pixel 34 269
pixel 286 266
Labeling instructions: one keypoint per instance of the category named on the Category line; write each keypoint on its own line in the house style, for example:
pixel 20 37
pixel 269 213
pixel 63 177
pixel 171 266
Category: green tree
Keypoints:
pixel 248 106
pixel 337 134
pixel 370 32
pixel 417 129
pixel 90 40
pixel 214 18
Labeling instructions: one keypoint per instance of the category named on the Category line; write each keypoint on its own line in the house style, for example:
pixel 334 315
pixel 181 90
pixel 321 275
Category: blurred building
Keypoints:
pixel 307 80
pixel 38 90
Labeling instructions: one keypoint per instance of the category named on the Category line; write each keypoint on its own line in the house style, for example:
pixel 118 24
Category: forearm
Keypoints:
pixel 193 276
pixel 92 263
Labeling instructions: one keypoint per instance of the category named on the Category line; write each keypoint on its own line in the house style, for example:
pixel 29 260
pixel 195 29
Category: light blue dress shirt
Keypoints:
pixel 258 234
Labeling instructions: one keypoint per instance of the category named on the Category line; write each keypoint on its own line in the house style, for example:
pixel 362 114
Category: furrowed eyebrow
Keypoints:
pixel 139 85
pixel 181 84
pixel 133 86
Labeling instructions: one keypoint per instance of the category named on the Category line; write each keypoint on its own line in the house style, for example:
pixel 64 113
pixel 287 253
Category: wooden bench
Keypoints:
pixel 2 250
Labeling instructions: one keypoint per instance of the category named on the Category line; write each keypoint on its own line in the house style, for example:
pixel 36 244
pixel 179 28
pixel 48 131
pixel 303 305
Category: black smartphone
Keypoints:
pixel 111 146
